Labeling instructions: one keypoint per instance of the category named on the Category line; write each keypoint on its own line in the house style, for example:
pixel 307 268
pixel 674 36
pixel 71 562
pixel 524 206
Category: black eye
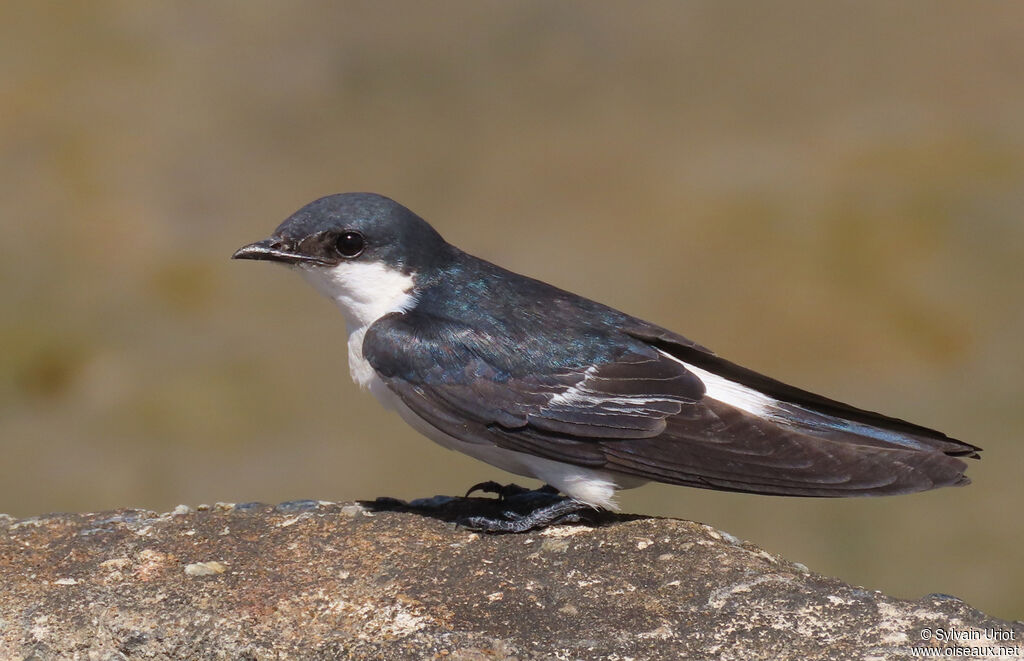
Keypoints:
pixel 350 244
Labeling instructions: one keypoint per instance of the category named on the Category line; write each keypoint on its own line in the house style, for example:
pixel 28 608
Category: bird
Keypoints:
pixel 543 383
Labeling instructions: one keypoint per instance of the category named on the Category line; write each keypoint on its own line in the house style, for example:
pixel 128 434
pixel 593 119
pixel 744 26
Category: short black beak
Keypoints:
pixel 274 250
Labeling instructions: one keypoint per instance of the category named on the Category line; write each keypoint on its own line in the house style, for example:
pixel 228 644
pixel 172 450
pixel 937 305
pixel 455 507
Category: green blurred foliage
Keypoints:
pixel 829 193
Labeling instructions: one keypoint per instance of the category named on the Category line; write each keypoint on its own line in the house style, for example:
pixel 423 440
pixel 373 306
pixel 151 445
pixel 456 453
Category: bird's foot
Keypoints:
pixel 562 510
pixel 509 491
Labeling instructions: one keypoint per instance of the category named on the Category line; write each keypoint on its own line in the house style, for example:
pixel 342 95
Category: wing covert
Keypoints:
pixel 448 373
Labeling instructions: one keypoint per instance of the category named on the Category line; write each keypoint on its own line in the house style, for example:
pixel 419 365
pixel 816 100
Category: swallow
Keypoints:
pixel 543 383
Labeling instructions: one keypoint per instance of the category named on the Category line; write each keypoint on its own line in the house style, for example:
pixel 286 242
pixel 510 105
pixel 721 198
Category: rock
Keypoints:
pixel 315 580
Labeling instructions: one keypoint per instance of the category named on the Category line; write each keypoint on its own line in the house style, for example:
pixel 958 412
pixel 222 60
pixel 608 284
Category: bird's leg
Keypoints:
pixel 563 510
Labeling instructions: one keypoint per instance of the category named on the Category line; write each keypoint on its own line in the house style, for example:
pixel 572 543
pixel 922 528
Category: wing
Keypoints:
pixel 452 375
pixel 628 403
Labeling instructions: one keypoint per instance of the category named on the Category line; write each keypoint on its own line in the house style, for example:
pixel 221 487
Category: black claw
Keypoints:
pixel 506 491
pixel 490 486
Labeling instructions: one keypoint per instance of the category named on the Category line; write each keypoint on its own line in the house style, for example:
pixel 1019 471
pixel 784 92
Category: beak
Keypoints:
pixel 275 250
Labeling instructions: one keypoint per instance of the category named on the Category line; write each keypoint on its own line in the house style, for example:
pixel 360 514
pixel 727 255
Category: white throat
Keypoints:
pixel 364 292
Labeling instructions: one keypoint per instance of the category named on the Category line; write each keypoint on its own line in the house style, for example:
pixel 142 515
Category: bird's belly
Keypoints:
pixel 588 485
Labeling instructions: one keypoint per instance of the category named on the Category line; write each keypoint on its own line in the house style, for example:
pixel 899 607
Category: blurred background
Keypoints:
pixel 829 193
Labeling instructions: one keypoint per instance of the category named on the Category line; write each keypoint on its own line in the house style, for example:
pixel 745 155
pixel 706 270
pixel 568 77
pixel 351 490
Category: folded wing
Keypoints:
pixel 658 407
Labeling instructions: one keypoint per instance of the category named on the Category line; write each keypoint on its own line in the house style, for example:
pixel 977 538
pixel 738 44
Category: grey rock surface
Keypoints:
pixel 386 580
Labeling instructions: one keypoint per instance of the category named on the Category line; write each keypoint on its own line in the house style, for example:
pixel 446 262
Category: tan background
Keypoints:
pixel 830 193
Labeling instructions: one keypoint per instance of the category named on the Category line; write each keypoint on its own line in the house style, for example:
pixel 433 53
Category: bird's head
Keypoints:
pixel 364 251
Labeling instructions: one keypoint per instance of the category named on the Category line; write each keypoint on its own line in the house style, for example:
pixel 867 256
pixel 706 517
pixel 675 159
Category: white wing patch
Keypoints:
pixel 732 393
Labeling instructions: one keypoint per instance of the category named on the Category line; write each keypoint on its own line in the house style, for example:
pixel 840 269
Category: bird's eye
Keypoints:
pixel 350 244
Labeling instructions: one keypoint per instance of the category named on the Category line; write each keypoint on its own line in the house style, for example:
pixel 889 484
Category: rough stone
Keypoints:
pixel 389 580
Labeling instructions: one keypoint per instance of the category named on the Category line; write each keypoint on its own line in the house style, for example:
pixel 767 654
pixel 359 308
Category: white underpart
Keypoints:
pixel 365 292
pixel 730 392
pixel 592 486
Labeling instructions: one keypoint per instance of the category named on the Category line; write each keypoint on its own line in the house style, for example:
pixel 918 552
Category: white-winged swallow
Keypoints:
pixel 543 383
